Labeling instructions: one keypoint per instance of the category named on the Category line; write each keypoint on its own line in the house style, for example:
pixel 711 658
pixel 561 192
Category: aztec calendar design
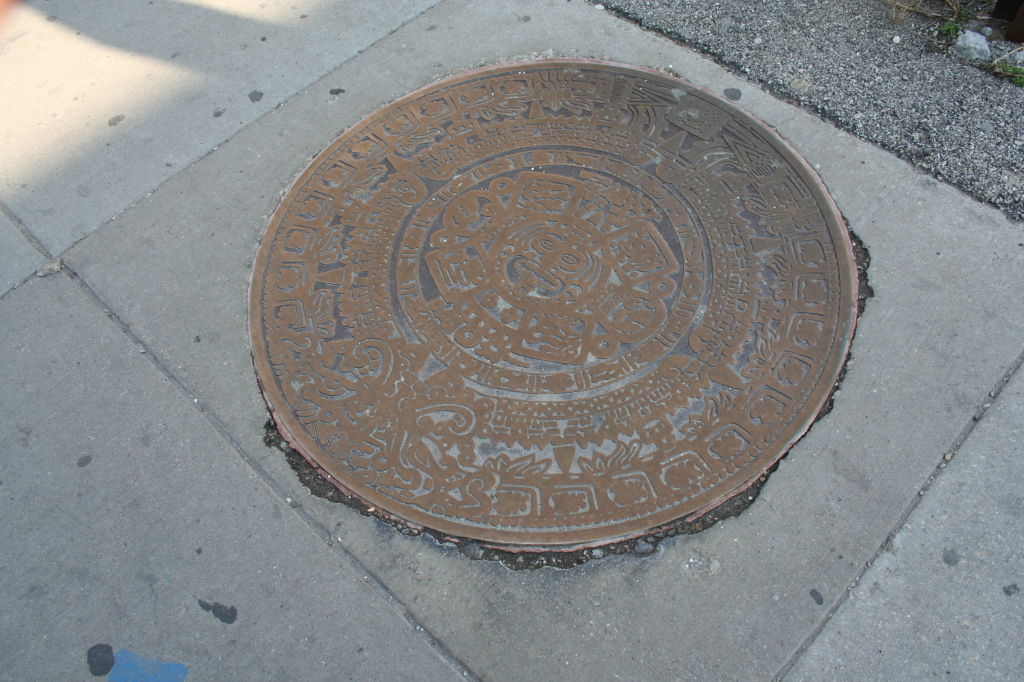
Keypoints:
pixel 551 303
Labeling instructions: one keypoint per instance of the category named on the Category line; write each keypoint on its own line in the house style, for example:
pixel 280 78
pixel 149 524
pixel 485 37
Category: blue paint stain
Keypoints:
pixel 130 667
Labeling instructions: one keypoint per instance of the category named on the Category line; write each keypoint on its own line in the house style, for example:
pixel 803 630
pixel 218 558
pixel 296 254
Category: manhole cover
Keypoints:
pixel 552 303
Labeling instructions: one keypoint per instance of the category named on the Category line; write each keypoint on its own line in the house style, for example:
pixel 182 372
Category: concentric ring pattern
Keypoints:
pixel 552 303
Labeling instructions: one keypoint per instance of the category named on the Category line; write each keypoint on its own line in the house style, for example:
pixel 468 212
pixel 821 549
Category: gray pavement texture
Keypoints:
pixel 944 115
pixel 943 601
pixel 124 98
pixel 123 509
pixel 133 421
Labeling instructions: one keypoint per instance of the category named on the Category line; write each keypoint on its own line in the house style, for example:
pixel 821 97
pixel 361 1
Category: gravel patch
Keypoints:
pixel 895 84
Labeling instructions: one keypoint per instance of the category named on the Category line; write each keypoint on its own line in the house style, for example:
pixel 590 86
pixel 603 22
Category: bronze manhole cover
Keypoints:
pixel 552 303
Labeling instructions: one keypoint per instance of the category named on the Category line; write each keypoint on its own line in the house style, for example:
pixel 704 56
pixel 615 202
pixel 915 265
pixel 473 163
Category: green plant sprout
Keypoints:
pixel 950 29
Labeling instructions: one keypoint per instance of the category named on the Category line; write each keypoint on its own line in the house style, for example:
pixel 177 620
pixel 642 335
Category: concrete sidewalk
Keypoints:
pixel 134 423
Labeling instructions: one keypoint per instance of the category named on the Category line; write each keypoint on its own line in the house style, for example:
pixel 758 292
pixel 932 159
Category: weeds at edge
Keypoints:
pixel 1015 74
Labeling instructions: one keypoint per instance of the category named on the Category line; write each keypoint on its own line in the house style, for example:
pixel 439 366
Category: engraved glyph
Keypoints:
pixel 551 303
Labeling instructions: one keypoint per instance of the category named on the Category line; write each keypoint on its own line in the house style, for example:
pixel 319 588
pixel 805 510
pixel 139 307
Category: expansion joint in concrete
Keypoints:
pixel 19 225
pixel 364 574
pixel 989 400
pixel 38 246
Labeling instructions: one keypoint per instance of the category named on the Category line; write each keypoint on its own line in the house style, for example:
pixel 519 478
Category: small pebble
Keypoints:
pixel 800 85
pixel 50 268
pixel 896 39
pixel 642 547
pixel 986 31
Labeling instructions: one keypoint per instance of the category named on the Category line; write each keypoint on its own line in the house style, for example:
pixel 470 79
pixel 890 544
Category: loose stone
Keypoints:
pixel 642 547
pixel 972 45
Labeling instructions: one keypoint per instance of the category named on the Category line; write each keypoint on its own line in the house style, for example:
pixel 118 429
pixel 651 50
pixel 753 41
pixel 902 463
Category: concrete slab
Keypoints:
pixel 18 259
pixel 736 601
pixel 123 509
pixel 102 106
pixel 943 601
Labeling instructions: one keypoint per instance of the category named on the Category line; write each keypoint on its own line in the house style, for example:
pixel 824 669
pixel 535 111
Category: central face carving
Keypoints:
pixel 546 267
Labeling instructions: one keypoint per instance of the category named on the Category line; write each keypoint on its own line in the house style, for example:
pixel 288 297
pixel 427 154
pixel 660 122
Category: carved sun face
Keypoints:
pixel 543 265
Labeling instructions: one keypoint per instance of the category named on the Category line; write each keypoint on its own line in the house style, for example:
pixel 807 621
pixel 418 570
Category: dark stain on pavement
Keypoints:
pixel 84 460
pixel 34 592
pixel 845 467
pixel 100 659
pixel 255 96
pixel 816 596
pixel 1011 589
pixel 337 91
pixel 225 614
pixel 734 94
pixel 114 120
pixel 950 557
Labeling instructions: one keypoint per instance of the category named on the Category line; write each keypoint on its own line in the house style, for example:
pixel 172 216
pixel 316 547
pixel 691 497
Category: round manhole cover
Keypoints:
pixel 552 303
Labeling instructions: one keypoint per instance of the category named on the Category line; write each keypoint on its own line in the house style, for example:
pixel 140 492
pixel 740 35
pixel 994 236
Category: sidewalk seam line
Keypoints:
pixel 362 572
pixel 216 147
pixel 986 404
pixel 19 225
pixel 19 283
